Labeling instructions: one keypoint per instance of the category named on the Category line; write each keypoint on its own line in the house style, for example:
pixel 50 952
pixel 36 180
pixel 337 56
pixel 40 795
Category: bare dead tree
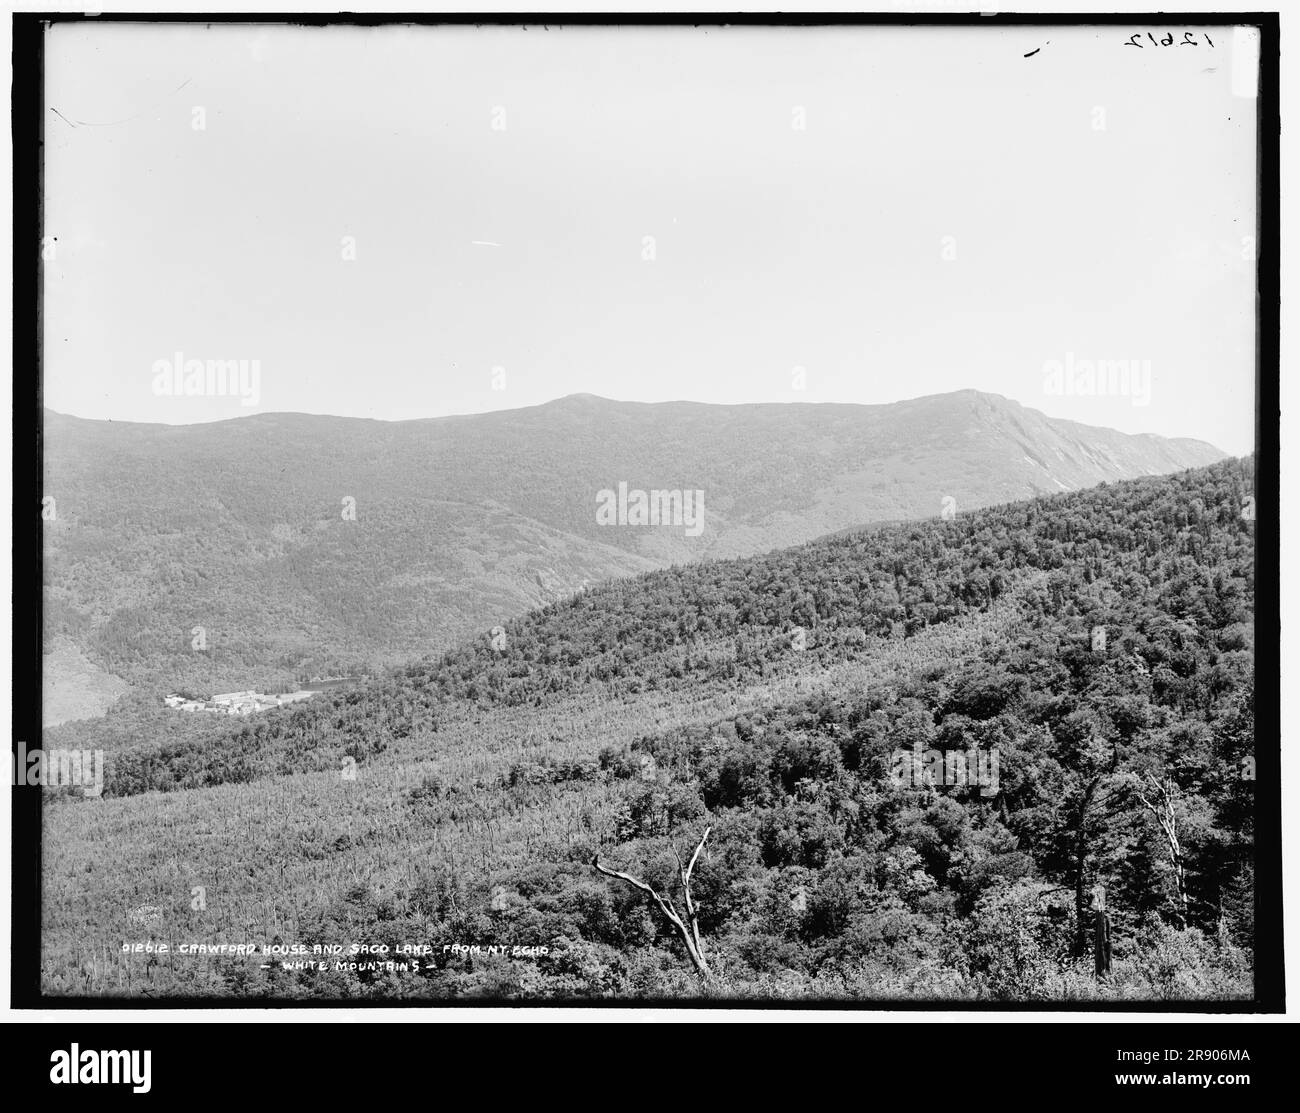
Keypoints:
pixel 1101 947
pixel 688 926
pixel 1161 803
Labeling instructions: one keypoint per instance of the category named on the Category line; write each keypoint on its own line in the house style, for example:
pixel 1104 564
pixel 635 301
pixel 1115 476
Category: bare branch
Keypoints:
pixel 666 907
pixel 690 932
pixel 687 879
pixel 1163 806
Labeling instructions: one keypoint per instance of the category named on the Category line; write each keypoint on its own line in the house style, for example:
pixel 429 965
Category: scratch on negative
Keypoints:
pixel 112 123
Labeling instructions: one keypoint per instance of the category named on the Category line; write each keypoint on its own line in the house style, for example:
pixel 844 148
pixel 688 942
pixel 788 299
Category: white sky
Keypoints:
pixel 775 247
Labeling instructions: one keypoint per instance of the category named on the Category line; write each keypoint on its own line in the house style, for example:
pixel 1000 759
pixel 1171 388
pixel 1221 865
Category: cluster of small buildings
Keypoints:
pixel 235 703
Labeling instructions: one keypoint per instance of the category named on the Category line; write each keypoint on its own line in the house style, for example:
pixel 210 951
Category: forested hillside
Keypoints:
pixel 1093 651
pixel 248 553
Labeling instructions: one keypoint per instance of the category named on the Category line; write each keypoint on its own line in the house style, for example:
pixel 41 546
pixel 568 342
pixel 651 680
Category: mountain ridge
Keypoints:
pixel 587 398
pixel 303 543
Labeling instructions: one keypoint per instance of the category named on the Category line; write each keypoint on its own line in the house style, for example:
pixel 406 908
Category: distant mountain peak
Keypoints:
pixel 581 399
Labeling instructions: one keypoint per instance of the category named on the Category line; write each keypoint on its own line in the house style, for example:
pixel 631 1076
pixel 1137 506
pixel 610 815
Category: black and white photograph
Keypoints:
pixel 709 514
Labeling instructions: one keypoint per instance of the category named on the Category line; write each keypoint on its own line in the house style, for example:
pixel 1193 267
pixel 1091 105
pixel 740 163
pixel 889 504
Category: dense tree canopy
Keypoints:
pixel 1087 658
